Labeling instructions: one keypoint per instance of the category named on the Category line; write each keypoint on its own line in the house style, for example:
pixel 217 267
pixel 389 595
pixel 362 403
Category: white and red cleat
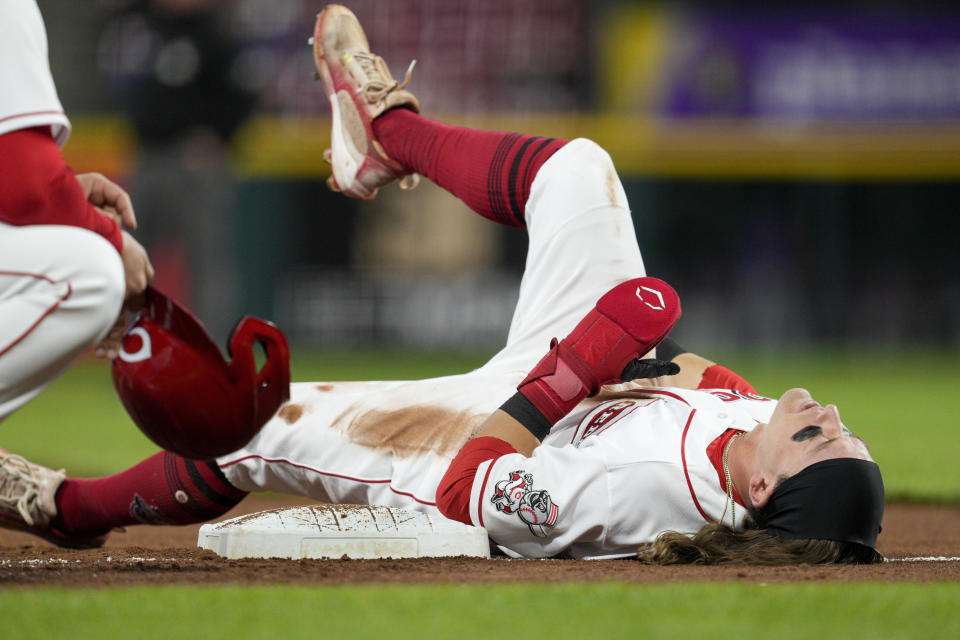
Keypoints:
pixel 27 502
pixel 360 88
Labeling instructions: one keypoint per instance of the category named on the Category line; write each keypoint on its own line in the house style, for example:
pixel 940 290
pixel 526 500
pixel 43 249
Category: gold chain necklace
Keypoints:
pixel 726 477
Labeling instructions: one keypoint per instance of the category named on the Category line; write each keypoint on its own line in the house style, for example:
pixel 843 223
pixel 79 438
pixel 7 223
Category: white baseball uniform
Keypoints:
pixel 60 286
pixel 608 477
pixel 28 97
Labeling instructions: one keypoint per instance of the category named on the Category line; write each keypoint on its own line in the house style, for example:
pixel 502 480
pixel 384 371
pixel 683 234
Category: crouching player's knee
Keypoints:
pixel 97 287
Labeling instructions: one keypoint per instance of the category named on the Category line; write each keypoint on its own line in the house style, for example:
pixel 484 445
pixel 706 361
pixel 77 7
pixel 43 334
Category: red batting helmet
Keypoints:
pixel 177 387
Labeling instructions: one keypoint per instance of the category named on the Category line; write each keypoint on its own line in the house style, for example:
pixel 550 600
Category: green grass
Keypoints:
pixel 607 611
pixel 900 403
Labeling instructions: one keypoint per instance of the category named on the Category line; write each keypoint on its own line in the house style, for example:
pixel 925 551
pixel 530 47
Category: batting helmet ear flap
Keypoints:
pixel 177 387
pixel 272 382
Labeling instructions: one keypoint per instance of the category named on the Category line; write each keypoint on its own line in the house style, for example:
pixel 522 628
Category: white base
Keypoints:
pixel 338 531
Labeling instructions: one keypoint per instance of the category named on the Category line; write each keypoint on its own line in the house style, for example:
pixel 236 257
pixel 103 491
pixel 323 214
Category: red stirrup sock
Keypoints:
pixel 163 489
pixel 488 170
pixel 626 323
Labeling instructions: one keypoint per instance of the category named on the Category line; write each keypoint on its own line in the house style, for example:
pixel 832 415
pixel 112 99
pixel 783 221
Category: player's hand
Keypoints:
pixel 109 347
pixel 136 266
pixel 108 197
pixel 648 368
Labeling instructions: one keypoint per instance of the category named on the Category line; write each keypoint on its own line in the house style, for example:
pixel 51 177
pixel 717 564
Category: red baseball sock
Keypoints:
pixel 491 171
pixel 163 489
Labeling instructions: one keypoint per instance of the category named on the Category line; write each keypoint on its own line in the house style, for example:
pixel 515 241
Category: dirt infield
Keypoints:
pixel 165 555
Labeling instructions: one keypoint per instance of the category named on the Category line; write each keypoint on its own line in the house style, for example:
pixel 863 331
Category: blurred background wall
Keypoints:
pixel 794 172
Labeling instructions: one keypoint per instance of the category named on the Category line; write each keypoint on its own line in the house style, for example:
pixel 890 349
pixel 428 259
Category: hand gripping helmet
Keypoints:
pixel 177 387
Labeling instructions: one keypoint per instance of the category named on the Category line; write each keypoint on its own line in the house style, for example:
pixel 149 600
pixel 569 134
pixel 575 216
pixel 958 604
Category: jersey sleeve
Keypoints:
pixel 453 492
pixel 538 506
pixel 28 96
pixel 37 187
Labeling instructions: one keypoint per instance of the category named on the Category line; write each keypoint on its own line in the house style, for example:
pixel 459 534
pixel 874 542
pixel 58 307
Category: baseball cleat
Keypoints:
pixel 27 502
pixel 360 88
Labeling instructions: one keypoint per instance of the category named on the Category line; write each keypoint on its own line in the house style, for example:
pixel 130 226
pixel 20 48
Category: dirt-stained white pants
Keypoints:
pixel 61 288
pixel 389 443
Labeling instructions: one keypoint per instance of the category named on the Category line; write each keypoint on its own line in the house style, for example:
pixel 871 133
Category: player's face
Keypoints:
pixel 801 433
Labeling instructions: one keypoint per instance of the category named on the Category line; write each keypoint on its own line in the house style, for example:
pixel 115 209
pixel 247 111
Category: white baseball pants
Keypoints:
pixel 61 288
pixel 389 443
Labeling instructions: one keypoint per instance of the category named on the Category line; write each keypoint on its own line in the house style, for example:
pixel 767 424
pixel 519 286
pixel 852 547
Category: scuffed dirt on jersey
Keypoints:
pixel 290 412
pixel 411 430
pixel 611 182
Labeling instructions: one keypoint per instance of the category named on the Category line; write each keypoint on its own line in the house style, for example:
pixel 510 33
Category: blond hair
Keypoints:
pixel 717 543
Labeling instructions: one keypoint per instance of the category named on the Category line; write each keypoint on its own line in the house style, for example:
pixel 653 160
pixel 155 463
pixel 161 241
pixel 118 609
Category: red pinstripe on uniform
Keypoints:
pixel 51 309
pixel 483 492
pixel 30 114
pixel 329 475
pixel 686 473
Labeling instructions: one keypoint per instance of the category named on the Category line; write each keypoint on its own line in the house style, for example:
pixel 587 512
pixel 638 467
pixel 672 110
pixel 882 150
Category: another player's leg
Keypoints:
pixel 80 512
pixel 60 292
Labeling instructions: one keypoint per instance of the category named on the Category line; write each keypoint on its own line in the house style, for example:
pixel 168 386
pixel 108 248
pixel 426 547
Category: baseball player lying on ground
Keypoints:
pixel 553 454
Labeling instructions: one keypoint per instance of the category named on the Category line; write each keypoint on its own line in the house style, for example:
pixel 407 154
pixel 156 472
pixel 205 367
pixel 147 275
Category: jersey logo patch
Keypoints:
pixel 535 508
pixel 611 413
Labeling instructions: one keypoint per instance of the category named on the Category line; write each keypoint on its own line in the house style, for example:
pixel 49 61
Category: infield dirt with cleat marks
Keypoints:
pixel 160 555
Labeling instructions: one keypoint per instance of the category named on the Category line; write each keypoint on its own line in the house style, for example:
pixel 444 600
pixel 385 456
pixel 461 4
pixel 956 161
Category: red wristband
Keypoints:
pixel 719 377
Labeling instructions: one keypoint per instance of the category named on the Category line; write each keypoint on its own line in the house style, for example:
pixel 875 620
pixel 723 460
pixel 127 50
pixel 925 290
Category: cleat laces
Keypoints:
pixel 379 83
pixel 20 488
